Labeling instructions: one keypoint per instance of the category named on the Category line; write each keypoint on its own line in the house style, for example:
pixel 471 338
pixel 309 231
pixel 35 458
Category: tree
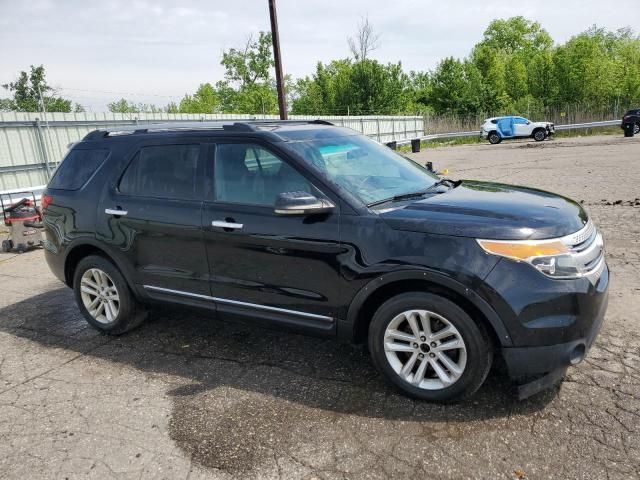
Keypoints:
pixel 516 34
pixel 365 41
pixel 251 64
pixel 31 93
pixel 345 87
pixel 205 100
pixel 125 106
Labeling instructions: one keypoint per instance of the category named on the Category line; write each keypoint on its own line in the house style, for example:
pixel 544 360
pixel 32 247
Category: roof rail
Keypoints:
pixel 240 126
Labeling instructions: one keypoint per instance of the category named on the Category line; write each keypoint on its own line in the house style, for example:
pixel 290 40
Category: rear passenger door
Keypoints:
pixel 152 218
pixel 265 266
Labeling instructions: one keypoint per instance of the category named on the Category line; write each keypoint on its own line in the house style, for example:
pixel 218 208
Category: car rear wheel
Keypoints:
pixel 539 135
pixel 636 129
pixel 429 348
pixel 104 298
pixel 494 138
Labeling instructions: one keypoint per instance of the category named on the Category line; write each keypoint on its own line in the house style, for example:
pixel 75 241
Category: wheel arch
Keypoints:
pixel 379 290
pixel 538 129
pixel 80 250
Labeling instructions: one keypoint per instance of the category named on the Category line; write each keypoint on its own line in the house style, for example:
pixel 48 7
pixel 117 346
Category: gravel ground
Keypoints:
pixel 187 396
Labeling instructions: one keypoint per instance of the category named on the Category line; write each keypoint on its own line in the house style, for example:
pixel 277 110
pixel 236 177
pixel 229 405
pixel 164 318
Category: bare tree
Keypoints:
pixel 365 41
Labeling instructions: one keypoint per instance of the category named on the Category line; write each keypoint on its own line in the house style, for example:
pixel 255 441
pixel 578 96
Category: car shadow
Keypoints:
pixel 209 353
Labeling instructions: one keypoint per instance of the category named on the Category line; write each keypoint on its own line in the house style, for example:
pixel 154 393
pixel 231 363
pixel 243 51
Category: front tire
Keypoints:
pixel 494 138
pixel 636 129
pixel 104 298
pixel 429 348
pixel 539 135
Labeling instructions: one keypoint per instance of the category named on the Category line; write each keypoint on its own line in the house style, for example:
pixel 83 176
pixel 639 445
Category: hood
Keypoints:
pixel 541 124
pixel 491 211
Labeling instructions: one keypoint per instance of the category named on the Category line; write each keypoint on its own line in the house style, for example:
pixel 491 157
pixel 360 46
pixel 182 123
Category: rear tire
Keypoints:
pixel 104 297
pixel 539 135
pixel 636 129
pixel 400 359
pixel 494 138
pixel 7 246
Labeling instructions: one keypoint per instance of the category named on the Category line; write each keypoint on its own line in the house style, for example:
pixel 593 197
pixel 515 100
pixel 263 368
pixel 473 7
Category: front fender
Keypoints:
pixel 346 328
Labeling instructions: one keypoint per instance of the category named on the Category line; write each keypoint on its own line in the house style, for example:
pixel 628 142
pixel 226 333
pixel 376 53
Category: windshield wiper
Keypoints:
pixel 402 196
pixel 419 193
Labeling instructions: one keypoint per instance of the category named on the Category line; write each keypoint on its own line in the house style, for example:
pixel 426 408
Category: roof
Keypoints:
pixel 253 126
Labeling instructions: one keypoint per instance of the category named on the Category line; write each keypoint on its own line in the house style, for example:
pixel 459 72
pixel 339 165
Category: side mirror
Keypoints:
pixel 301 203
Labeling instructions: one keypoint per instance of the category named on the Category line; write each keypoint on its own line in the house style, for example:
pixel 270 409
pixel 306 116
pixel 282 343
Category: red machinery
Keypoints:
pixel 24 220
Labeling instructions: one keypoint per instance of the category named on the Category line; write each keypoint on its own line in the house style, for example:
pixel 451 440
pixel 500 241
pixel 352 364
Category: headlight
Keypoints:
pixel 558 258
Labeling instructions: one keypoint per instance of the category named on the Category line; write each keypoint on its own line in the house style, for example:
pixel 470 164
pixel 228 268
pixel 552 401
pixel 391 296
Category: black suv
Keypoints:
pixel 321 230
pixel 632 118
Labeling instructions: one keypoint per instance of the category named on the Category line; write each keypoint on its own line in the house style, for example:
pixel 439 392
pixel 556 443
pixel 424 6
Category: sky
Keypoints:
pixel 156 51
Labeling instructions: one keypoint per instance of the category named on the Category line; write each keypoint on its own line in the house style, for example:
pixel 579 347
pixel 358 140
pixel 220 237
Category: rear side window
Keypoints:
pixel 76 169
pixel 167 171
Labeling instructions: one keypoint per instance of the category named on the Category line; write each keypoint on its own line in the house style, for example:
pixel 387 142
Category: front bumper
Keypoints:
pixel 552 323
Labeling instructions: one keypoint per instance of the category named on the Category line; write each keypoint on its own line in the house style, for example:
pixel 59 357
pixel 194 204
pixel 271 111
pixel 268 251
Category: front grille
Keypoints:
pixel 587 248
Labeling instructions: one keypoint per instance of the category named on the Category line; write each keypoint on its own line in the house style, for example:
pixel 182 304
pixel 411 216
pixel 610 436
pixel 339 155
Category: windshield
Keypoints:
pixel 368 170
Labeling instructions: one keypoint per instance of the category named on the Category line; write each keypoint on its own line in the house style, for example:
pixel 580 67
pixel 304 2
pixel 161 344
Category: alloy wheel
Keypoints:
pixel 425 349
pixel 99 295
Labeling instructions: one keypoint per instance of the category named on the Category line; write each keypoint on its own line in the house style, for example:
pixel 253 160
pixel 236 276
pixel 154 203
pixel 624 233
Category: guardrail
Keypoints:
pixel 476 133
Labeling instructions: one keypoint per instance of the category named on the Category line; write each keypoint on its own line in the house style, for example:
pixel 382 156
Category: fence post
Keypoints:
pixel 43 147
pixel 362 125
pixel 378 128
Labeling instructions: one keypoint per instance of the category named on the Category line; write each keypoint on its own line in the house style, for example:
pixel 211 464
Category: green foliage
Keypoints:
pixel 125 106
pixel 251 64
pixel 205 100
pixel 514 69
pixel 362 87
pixel 30 91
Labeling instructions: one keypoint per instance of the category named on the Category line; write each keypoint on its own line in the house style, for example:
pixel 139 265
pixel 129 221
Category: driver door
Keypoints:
pixel 522 127
pixel 263 265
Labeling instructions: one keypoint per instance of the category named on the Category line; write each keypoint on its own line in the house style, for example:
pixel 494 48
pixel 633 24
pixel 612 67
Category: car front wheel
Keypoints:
pixel 429 348
pixel 494 138
pixel 104 298
pixel 539 135
pixel 636 129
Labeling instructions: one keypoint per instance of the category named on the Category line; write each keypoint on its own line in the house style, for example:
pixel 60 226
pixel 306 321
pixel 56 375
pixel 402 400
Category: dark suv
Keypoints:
pixel 632 118
pixel 321 230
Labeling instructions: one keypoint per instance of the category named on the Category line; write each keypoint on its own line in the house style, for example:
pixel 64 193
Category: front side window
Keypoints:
pixel 520 121
pixel 250 174
pixel 163 171
pixel 370 171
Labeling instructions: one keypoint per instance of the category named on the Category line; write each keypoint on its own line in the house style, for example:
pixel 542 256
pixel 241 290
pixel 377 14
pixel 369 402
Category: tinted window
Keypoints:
pixel 246 173
pixel 520 121
pixel 167 171
pixel 76 168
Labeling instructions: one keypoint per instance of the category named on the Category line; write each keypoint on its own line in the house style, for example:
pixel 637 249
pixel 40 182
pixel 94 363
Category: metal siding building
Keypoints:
pixel 32 144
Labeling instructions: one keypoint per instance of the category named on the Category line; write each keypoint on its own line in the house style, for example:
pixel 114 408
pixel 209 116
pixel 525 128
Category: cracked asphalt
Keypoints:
pixel 188 396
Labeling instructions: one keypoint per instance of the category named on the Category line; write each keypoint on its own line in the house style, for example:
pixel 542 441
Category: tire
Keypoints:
pixel 539 135
pixel 120 311
pixel 21 248
pixel 636 129
pixel 6 246
pixel 494 138
pixel 472 361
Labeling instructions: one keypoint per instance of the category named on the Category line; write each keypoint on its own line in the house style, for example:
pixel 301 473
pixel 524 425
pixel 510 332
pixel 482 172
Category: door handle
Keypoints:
pixel 224 224
pixel 116 212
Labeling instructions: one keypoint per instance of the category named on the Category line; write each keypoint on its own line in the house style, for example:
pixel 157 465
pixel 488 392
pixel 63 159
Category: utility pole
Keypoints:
pixel 282 101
